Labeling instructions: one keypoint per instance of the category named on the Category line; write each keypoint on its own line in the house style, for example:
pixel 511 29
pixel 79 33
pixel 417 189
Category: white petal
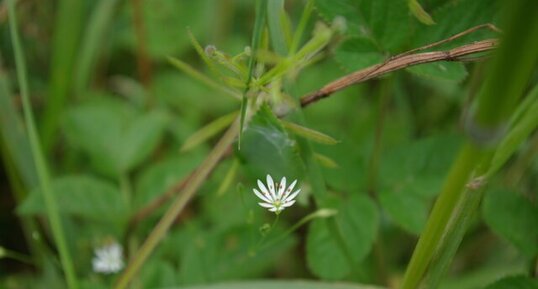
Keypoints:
pixel 261 196
pixel 281 188
pixel 273 209
pixel 288 191
pixel 265 205
pixel 271 186
pixel 288 204
pixel 264 190
pixel 292 196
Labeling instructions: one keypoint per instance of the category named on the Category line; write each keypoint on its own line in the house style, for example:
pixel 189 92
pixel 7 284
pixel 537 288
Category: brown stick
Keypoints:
pixel 142 58
pixel 396 63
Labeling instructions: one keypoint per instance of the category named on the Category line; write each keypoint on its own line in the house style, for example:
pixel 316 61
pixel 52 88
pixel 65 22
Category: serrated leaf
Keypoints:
pixel 208 131
pixel 358 221
pixel 267 148
pixel 455 17
pixel 514 282
pixel 385 22
pixel 114 135
pixel 357 53
pixel 309 133
pixel 514 218
pixel 84 196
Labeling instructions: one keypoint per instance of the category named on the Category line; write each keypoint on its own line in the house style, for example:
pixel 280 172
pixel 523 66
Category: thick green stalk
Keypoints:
pixel 454 184
pixel 160 230
pixel 486 124
pixel 69 19
pixel 39 159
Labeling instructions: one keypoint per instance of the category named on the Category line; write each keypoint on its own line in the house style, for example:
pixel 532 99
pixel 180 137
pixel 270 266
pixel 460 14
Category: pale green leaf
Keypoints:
pixel 309 133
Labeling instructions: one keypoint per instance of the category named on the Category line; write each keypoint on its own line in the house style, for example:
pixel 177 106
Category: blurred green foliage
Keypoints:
pixel 123 145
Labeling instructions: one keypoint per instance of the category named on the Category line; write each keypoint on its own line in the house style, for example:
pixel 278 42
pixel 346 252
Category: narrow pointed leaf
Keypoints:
pixel 309 133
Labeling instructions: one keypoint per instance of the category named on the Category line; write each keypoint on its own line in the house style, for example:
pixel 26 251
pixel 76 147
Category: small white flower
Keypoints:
pixel 276 197
pixel 108 259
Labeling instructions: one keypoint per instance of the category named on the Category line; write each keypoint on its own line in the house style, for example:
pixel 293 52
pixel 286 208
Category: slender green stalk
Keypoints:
pixel 320 213
pixel 261 9
pixel 195 74
pixel 298 35
pixel 160 230
pixel 39 159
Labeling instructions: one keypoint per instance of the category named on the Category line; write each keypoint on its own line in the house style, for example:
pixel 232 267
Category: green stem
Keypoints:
pixel 160 230
pixel 5 253
pixel 452 189
pixel 298 35
pixel 261 8
pixel 321 213
pixel 39 159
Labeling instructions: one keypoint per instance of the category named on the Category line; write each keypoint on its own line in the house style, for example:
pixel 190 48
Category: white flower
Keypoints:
pixel 108 259
pixel 276 197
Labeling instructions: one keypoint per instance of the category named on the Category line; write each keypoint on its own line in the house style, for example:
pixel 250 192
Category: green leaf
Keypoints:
pixel 411 176
pixel 267 148
pixel 278 284
pixel 84 196
pixel 455 17
pixel 114 135
pixel 420 13
pixel 309 133
pixel 385 22
pixel 357 53
pixel 325 161
pixel 447 71
pixel 514 282
pixel 330 9
pixel 208 131
pixel 514 218
pixel 205 259
pixel 159 177
pixel 358 221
